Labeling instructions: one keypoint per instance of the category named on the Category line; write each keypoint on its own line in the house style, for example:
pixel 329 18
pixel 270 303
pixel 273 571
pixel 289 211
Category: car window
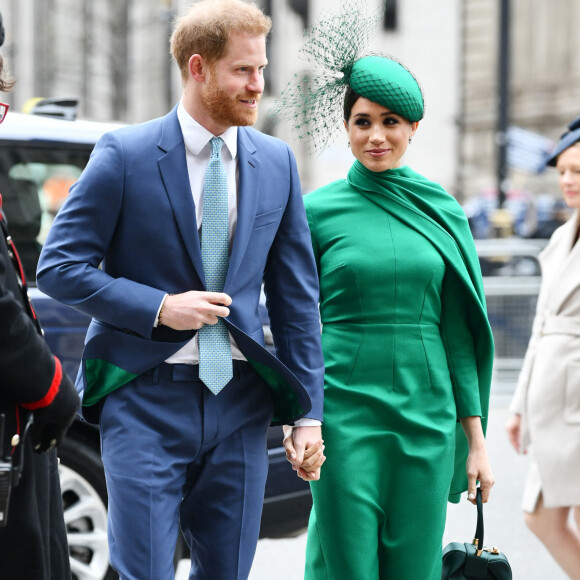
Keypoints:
pixel 34 182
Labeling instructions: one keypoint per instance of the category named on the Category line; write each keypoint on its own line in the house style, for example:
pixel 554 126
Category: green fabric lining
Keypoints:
pixel 102 378
pixel 285 400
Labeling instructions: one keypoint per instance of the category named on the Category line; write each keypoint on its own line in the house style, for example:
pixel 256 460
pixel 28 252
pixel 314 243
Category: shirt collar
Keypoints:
pixel 196 137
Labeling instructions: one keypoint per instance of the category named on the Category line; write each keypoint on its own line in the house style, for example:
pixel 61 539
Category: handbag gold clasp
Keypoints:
pixel 475 542
pixel 494 550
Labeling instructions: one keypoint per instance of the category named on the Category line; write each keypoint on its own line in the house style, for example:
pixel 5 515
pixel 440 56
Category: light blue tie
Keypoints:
pixel 215 353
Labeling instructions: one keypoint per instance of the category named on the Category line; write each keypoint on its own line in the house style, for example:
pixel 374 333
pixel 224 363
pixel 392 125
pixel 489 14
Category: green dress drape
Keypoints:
pixel 408 351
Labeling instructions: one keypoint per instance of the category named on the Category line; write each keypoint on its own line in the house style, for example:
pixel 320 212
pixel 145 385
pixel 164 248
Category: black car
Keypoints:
pixel 40 157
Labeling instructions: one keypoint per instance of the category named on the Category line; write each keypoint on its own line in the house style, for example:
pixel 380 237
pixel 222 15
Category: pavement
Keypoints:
pixel 504 526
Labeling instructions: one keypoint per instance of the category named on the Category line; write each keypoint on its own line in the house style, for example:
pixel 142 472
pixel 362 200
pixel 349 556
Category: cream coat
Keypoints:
pixel 548 391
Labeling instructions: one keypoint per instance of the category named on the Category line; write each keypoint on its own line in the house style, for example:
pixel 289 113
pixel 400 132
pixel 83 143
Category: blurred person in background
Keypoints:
pixel 559 215
pixel 37 404
pixel 546 403
pixel 408 349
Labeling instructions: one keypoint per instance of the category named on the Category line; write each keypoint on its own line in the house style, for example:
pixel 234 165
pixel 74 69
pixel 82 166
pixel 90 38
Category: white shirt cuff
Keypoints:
pixel 306 422
pixel 158 311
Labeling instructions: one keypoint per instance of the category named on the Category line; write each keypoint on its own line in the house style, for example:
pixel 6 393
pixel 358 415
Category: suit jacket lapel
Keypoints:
pixel 248 194
pixel 173 168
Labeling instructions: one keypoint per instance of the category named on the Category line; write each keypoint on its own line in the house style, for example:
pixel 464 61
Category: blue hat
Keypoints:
pixel 566 140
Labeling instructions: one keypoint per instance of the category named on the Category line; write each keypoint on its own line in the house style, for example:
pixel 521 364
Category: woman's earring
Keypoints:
pixel 410 139
pixel 348 145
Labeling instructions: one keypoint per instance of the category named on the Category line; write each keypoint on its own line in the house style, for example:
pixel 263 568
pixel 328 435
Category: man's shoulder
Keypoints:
pixel 138 130
pixel 145 133
pixel 263 140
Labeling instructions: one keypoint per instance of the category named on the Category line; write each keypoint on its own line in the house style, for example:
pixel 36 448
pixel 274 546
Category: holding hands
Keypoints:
pixel 190 311
pixel 305 451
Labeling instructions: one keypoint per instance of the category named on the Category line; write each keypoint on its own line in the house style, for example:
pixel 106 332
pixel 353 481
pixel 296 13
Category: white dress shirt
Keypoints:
pixel 197 153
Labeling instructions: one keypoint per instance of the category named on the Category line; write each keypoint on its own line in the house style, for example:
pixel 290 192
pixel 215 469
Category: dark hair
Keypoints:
pixel 350 98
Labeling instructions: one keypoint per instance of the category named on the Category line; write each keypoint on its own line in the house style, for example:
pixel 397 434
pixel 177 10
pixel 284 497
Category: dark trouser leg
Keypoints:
pixel 159 432
pixel 220 514
pixel 33 545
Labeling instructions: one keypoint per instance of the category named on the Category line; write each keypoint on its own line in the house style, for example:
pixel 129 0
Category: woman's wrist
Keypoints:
pixel 474 432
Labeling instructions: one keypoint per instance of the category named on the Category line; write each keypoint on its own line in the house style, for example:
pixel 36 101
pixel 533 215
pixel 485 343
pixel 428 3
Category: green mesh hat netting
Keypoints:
pixel 388 83
pixel 312 102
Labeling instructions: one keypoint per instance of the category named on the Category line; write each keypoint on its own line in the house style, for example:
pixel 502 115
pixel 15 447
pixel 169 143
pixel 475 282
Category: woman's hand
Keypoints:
pixel 478 466
pixel 304 450
pixel 514 432
pixel 479 469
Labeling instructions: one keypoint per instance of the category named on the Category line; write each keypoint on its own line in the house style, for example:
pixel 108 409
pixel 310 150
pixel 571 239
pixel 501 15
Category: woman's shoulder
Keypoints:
pixel 437 193
pixel 329 191
pixel 419 177
pixel 563 234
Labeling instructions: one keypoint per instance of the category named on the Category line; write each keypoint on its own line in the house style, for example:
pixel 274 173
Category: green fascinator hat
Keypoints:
pixel 388 83
pixel 336 52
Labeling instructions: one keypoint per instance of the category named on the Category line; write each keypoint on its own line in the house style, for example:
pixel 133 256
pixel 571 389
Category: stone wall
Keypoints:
pixel 544 85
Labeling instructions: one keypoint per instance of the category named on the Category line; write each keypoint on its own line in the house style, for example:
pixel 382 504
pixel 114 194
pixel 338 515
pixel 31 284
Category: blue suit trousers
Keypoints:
pixel 177 455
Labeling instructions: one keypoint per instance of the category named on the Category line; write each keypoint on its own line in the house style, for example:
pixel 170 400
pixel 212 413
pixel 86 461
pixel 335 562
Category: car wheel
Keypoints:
pixel 84 498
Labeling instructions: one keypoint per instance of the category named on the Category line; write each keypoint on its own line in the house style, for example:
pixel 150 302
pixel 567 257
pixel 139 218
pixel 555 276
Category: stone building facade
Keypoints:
pixel 113 55
pixel 544 85
pixel 110 54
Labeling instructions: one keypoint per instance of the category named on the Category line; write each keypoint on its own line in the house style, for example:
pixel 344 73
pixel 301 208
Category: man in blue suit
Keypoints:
pixel 128 248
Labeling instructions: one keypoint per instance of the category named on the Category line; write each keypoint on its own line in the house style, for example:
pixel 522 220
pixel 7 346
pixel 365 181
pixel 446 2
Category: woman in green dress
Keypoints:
pixel 407 347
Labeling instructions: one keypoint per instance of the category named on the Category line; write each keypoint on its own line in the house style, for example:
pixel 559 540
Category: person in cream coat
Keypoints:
pixel 546 404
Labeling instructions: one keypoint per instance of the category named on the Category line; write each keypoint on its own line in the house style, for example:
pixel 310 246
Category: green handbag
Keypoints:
pixel 464 561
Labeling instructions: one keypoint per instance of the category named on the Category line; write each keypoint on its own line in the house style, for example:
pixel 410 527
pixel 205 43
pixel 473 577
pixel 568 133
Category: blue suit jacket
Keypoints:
pixel 132 213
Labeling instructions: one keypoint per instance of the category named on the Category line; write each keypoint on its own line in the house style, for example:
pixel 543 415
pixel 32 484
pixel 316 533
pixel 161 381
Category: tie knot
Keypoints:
pixel 216 147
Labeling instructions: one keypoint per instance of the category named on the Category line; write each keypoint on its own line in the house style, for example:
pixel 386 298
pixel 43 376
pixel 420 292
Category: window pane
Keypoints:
pixel 34 182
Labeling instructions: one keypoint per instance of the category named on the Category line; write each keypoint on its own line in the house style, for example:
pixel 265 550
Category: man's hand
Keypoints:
pixel 191 310
pixel 304 450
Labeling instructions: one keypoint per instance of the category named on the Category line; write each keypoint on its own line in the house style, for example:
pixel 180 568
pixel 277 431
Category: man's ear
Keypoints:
pixel 197 67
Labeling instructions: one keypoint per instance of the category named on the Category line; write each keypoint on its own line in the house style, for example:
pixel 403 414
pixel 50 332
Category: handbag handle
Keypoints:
pixel 478 538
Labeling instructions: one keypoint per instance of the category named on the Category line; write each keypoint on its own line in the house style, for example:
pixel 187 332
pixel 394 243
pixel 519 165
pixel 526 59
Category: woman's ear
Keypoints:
pixel 347 131
pixel 414 127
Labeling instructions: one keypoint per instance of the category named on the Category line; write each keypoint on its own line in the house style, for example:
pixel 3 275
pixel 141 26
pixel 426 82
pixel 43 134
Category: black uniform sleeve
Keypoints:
pixel 26 364
pixel 30 375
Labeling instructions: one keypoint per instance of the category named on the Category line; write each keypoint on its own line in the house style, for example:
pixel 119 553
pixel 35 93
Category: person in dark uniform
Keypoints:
pixel 37 404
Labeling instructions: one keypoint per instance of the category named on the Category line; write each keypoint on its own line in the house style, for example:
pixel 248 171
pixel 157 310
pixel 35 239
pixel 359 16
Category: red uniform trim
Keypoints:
pixel 52 391
pixel 18 261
